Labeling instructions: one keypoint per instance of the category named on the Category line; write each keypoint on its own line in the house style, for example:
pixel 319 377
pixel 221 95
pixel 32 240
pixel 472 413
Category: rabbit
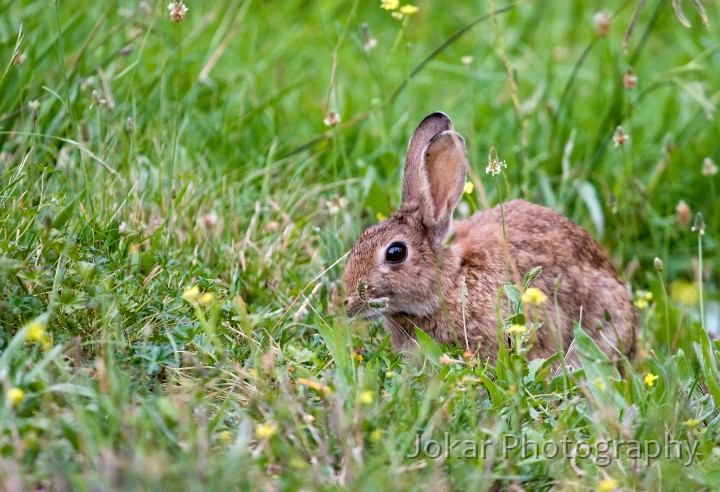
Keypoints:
pixel 419 269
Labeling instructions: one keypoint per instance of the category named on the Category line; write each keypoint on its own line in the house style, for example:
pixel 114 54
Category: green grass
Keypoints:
pixel 140 158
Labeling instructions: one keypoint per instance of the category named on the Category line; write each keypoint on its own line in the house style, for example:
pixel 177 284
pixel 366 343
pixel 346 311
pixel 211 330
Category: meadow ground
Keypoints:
pixel 174 211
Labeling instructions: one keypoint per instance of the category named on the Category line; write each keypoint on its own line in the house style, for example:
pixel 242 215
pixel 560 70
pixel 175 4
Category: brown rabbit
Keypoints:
pixel 401 269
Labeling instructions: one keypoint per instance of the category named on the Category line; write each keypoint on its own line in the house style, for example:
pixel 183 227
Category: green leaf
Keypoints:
pixel 513 295
pixel 66 212
pixel 708 365
pixel 492 389
pixel 599 371
pixel 376 197
pixel 428 347
pixel 588 193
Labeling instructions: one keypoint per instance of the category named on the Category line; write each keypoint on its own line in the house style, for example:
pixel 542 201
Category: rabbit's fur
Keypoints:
pixel 426 289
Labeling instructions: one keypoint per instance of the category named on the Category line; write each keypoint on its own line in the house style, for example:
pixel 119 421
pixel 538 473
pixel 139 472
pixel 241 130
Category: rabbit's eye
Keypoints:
pixel 396 253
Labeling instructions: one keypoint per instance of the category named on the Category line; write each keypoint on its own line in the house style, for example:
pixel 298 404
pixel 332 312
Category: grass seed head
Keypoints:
pixel 683 214
pixel 709 168
pixel 620 137
pixel 177 11
pixel 603 21
pixel 630 79
pixel 495 165
pixel 699 225
pixel 332 118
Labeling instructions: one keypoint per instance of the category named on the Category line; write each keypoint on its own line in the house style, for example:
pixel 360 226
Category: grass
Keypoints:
pixel 140 158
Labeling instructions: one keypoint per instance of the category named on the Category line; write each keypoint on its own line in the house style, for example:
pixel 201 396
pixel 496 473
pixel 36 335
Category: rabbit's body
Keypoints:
pixel 536 236
pixel 425 287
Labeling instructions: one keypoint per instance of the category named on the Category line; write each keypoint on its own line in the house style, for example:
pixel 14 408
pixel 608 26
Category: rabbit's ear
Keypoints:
pixel 444 165
pixel 426 130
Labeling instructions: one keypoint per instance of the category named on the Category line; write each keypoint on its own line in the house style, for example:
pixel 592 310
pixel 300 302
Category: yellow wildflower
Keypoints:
pixel 685 292
pixel 35 332
pixel 15 396
pixel 191 294
pixel 641 303
pixel 380 217
pixel 607 485
pixel 389 4
pixel 691 423
pixel 469 188
pixel 314 385
pixel 266 430
pixel 366 397
pixel 517 329
pixel 376 435
pixel 534 296
pixel 409 9
pixel 357 357
pixel 225 436
pixel 650 379
pixel 643 298
pixel 207 298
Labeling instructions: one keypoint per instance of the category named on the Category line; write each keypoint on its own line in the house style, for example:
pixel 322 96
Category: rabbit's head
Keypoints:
pixel 393 267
